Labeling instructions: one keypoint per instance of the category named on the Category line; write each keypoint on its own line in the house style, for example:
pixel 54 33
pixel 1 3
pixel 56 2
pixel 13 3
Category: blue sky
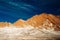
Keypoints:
pixel 12 10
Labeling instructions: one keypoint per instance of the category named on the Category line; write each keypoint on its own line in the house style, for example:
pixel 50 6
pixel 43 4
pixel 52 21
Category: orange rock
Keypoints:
pixel 19 23
pixel 58 17
pixel 44 20
pixel 55 20
pixel 4 24
pixel 37 20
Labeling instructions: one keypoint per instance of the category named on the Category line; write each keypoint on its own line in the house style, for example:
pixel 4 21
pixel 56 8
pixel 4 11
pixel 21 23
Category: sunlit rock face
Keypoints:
pixel 4 24
pixel 39 27
pixel 39 20
pixel 19 23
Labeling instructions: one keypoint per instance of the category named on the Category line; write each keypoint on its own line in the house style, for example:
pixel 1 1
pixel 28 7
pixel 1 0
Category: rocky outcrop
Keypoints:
pixel 37 20
pixel 47 21
pixel 4 24
pixel 20 23
pixel 50 19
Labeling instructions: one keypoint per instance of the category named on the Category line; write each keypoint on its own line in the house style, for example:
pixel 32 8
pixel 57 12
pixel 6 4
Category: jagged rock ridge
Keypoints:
pixel 39 20
pixel 47 21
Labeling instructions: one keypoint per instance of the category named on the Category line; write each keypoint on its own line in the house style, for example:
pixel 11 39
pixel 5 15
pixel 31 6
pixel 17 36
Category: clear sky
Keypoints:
pixel 12 10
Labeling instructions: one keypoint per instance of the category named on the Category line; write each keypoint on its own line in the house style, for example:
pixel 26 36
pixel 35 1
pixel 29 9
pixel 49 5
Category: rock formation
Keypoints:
pixel 47 21
pixel 42 19
pixel 4 24
pixel 20 23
